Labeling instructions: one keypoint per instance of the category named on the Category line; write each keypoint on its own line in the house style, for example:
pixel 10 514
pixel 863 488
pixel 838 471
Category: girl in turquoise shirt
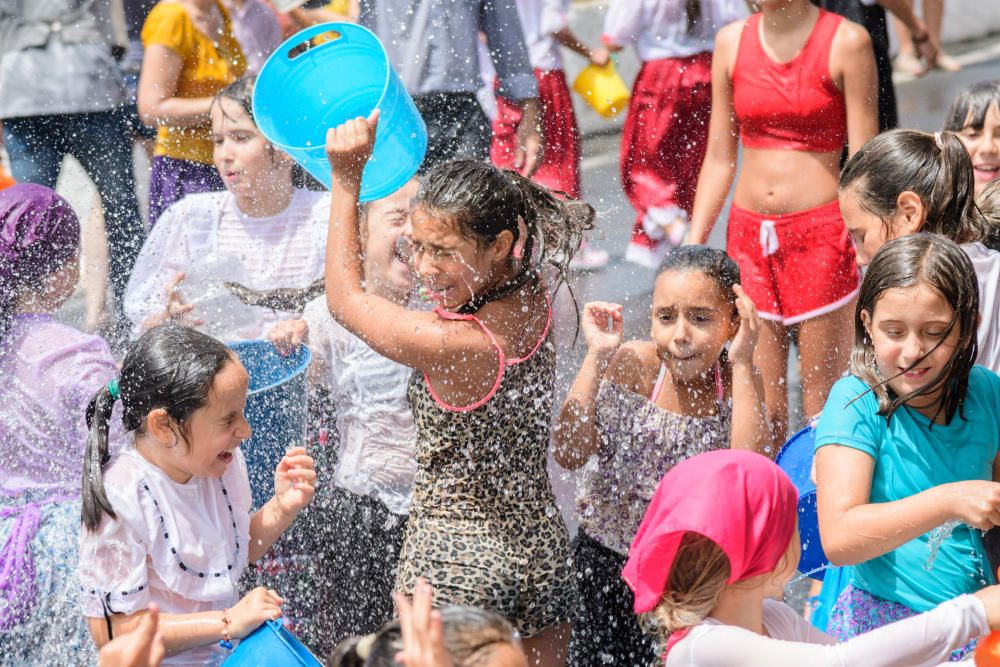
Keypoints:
pixel 907 443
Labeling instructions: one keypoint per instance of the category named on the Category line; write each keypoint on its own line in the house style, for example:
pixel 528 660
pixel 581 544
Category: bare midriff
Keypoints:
pixel 775 181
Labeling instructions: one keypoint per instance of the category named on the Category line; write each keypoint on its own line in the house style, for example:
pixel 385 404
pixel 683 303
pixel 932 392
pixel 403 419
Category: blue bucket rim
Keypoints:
pixel 297 38
pixel 791 441
pixel 305 357
pixel 279 631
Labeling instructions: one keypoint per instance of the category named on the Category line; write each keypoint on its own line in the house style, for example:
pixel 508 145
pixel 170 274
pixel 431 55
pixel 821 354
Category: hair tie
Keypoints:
pixel 113 389
pixel 364 646
pixel 938 140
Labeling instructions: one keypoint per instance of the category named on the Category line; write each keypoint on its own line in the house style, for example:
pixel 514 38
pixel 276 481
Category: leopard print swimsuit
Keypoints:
pixel 484 528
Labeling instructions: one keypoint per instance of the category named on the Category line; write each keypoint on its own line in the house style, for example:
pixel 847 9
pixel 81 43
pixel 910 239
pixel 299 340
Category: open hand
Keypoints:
pixel 349 146
pixel 177 310
pixel 603 327
pixel 741 350
pixel 294 480
pixel 288 335
pixel 422 628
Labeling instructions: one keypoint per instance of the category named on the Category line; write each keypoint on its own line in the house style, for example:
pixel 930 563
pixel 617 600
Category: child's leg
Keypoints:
pixel 825 352
pixel 771 357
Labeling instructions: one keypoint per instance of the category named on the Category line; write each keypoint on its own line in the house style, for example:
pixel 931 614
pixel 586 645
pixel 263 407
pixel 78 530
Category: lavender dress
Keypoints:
pixel 50 372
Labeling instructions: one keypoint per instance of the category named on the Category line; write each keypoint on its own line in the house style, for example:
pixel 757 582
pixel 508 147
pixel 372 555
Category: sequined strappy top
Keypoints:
pixel 639 443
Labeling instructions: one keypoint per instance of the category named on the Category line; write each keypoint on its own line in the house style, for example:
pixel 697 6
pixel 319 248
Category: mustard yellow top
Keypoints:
pixel 207 68
pixel 342 7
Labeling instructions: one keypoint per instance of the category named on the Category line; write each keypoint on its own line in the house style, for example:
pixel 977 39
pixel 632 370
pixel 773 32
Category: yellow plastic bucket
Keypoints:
pixel 603 89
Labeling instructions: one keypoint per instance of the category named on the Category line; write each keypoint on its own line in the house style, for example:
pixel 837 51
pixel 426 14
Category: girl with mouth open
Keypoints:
pixel 168 520
pixel 484 528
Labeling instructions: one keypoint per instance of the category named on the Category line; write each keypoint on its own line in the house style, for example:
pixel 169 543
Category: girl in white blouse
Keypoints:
pixel 168 520
pixel 364 507
pixel 262 232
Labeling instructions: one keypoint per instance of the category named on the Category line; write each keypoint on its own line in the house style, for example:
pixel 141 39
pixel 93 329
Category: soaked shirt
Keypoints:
pixel 207 237
pixel 49 372
pixel 911 457
pixel 639 443
pixel 489 459
pixel 375 427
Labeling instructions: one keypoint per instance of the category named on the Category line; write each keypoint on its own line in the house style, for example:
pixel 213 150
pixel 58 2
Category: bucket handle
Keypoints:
pixel 306 43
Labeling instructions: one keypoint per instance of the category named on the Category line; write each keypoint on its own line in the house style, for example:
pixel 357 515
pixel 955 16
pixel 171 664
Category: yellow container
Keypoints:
pixel 603 89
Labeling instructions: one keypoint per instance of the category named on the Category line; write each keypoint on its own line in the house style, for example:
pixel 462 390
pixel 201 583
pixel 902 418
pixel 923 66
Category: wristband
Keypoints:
pixel 227 640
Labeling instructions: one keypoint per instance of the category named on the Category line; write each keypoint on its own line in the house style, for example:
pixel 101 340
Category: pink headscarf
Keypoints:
pixel 740 500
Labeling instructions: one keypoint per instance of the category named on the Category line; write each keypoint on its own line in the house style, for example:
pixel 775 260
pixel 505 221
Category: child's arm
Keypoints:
pixel 751 427
pixel 575 437
pixel 417 339
pixel 854 529
pixel 293 489
pixel 719 167
pixel 182 632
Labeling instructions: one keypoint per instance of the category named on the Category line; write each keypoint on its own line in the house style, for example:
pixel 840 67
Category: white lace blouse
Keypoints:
pixel 211 241
pixel 374 422
pixel 183 546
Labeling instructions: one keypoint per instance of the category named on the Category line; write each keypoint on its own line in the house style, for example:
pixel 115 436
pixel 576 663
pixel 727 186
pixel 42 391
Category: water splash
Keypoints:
pixel 804 575
pixel 935 539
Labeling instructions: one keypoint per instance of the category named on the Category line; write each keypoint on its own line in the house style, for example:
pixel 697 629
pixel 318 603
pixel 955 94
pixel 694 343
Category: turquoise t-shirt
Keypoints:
pixel 909 458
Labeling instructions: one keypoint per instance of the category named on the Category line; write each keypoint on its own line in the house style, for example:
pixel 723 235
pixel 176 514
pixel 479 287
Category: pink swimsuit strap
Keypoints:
pixel 504 362
pixel 720 391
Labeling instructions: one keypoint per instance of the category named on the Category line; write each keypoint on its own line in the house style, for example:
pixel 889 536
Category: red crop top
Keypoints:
pixel 794 105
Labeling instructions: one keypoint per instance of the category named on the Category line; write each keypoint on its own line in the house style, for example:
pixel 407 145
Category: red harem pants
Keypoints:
pixel 663 143
pixel 560 169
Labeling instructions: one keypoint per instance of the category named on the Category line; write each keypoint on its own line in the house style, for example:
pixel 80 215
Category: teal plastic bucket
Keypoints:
pixel 271 645
pixel 277 409
pixel 328 74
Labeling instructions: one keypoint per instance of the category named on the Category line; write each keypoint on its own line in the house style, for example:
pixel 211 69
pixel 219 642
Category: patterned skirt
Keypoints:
pixel 47 627
pixel 857 612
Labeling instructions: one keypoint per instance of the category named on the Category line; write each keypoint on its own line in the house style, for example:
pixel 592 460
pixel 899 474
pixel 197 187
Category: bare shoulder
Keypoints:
pixel 635 366
pixel 851 39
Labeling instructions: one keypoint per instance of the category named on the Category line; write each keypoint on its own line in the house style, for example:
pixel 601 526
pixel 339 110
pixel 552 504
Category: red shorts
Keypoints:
pixel 794 266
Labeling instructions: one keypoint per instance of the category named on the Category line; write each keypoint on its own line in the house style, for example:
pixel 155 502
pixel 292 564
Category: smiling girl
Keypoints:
pixel 168 520
pixel 638 409
pixel 484 527
pixel 262 232
pixel 909 441
pixel 975 117
pixel 905 181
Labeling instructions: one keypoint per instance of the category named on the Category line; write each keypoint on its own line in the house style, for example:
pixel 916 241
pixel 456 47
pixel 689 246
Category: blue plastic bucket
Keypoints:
pixel 271 645
pixel 276 409
pixel 796 458
pixel 328 74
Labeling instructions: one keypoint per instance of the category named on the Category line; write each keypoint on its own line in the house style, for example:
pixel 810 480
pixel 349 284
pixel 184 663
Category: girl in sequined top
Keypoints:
pixel 637 409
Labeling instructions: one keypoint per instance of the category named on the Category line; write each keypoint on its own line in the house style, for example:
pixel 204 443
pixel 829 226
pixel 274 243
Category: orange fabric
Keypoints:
pixel 207 68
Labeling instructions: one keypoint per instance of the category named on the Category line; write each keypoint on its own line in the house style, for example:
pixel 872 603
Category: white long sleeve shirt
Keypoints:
pixel 920 641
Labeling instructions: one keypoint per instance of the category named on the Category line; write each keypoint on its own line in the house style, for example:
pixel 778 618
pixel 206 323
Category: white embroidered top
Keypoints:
pixel 206 237
pixel 183 546
pixel 374 422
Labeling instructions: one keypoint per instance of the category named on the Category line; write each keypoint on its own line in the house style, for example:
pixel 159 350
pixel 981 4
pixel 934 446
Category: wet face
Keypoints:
pixel 386 269
pixel 906 324
pixel 692 320
pixel 867 230
pixel 454 268
pixel 246 161
pixel 214 431
pixel 983 145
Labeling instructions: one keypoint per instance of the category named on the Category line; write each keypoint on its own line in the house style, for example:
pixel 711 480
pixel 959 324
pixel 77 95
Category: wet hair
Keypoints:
pixel 169 367
pixel 482 201
pixel 715 264
pixel 938 263
pixel 989 205
pixel 697 578
pixel 470 635
pixel 969 108
pixel 241 92
pixel 935 167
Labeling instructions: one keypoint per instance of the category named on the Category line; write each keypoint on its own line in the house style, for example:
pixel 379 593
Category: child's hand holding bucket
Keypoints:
pixel 349 146
pixel 253 610
pixel 294 481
